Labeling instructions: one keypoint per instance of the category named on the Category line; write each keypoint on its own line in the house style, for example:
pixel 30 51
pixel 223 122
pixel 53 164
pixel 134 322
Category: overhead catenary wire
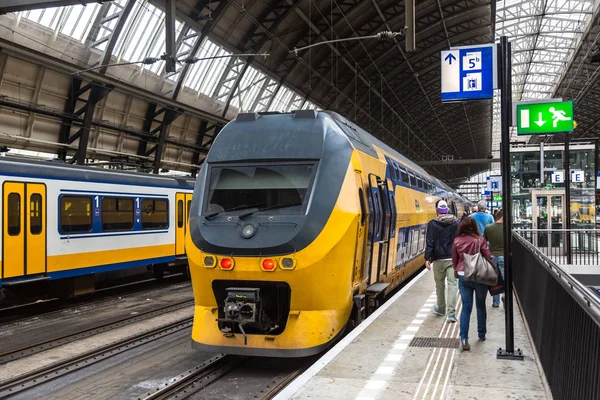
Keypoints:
pixel 152 60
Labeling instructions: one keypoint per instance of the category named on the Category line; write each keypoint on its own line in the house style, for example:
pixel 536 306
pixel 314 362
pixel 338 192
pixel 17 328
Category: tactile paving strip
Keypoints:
pixel 446 343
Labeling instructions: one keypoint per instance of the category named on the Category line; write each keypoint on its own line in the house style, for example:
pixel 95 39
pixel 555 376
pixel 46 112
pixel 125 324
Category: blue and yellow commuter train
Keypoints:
pixel 301 223
pixel 63 222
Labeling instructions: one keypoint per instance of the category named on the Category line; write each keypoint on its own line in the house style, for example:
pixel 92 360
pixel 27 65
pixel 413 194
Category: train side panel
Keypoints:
pixel 64 232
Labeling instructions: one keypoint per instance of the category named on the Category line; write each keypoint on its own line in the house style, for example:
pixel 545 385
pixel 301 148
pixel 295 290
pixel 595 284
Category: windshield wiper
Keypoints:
pixel 249 213
pixel 240 207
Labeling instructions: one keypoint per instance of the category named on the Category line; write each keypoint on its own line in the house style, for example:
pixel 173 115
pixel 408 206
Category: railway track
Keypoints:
pixel 16 353
pixel 37 377
pixel 10 313
pixel 209 373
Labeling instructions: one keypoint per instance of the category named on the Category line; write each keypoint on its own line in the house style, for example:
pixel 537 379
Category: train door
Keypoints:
pixel 188 205
pixel 391 253
pixel 375 227
pixel 24 229
pixel 386 206
pixel 180 223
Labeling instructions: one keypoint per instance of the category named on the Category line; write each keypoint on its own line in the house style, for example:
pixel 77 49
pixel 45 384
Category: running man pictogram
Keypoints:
pixel 558 115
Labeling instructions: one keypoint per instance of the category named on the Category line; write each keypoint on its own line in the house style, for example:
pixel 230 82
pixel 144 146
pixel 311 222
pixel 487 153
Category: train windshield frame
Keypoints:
pixel 269 188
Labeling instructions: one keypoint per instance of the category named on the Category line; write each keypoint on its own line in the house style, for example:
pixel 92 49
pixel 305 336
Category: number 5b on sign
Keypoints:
pixel 472 61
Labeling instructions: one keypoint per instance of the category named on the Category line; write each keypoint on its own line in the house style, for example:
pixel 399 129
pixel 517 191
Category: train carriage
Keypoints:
pixel 62 222
pixel 301 224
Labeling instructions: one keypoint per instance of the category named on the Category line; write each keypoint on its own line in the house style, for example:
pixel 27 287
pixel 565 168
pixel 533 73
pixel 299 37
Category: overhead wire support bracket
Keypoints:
pixel 383 36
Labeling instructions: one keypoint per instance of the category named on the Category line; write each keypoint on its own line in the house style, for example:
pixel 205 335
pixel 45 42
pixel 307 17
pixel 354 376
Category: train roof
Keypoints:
pixel 21 167
pixel 365 139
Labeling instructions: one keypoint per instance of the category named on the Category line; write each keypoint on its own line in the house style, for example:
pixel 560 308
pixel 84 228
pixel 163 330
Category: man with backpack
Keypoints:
pixel 438 256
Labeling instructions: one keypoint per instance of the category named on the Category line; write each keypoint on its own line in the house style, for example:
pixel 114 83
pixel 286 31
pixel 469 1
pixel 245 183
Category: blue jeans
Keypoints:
pixel 466 289
pixel 500 263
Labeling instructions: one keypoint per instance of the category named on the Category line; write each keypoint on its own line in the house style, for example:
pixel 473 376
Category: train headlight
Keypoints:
pixel 227 264
pixel 288 263
pixel 268 264
pixel 210 261
pixel 248 231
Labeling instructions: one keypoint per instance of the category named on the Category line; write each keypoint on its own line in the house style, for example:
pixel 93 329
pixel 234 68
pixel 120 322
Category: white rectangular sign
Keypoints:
pixel 451 71
pixel 577 176
pixel 558 177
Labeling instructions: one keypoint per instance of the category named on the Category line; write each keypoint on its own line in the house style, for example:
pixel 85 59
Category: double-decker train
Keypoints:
pixel 66 223
pixel 301 223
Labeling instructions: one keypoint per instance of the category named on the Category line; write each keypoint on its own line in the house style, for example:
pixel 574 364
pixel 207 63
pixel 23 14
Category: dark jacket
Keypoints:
pixel 467 244
pixel 440 235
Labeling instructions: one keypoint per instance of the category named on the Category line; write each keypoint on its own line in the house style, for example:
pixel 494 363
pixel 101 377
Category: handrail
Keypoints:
pixel 583 295
pixel 557 230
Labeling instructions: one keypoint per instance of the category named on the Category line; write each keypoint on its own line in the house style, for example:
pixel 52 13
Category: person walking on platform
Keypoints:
pixel 469 241
pixel 482 218
pixel 494 234
pixel 438 255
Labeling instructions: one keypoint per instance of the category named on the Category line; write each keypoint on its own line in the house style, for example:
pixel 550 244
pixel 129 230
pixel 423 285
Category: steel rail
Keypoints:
pixel 45 344
pixel 36 377
pixel 280 385
pixel 197 378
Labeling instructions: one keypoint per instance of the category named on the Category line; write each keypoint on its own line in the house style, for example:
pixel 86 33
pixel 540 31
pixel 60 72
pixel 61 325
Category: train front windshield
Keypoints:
pixel 276 189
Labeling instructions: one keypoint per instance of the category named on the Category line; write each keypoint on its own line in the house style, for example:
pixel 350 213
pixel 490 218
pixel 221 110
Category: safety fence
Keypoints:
pixel 564 320
pixel 566 247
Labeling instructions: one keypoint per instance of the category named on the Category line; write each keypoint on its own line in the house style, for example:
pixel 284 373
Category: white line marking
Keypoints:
pixel 401 346
pixel 393 357
pixel 300 381
pixel 375 384
pixel 384 370
pixel 445 327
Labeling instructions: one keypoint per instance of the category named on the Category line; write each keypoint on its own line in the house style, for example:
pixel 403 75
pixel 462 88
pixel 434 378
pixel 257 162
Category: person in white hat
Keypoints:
pixel 438 256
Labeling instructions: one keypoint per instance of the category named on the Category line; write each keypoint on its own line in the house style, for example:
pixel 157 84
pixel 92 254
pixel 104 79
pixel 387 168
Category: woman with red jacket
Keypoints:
pixel 469 241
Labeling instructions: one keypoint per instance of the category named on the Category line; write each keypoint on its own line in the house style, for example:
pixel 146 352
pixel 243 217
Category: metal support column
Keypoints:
pixel 410 25
pixel 567 209
pixel 65 128
pixel 97 93
pixel 170 40
pixel 505 119
pixel 168 118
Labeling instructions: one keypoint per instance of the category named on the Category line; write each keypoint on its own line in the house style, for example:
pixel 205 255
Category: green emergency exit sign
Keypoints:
pixel 497 198
pixel 544 118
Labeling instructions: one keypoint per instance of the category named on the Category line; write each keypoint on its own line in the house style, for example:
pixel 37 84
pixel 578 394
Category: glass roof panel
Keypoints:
pixel 544 35
pixel 73 21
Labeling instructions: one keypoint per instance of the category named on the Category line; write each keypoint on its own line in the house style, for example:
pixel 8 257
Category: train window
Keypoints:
pixel 75 214
pixel 117 214
pixel 180 213
pixel 422 240
pixel 265 188
pixel 35 214
pixel 414 243
pixel 412 179
pixel 189 205
pixel 14 214
pixel 155 214
pixel 363 208
pixel 404 177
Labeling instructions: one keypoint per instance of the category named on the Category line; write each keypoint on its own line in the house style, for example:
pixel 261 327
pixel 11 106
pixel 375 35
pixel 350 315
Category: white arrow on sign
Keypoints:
pixel 540 121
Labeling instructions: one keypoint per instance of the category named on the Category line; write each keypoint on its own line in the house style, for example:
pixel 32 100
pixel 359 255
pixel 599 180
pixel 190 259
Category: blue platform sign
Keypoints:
pixel 469 73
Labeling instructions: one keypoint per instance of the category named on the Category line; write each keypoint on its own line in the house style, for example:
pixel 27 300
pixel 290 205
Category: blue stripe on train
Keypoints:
pixel 92 270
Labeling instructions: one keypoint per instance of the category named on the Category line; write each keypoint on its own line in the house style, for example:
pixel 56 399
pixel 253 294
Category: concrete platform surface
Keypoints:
pixel 378 361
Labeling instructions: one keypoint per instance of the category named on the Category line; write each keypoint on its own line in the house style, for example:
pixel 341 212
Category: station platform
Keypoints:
pixel 405 351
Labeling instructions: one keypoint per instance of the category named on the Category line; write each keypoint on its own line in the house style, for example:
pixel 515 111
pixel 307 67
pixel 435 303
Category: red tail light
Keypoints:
pixel 226 263
pixel 269 265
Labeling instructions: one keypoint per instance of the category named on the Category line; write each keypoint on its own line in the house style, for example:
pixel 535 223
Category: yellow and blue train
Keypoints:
pixel 67 223
pixel 300 224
